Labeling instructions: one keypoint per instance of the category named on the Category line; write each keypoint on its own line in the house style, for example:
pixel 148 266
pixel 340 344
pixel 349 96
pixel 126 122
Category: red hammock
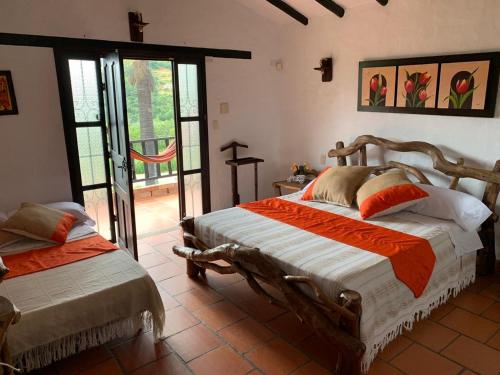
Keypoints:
pixel 162 157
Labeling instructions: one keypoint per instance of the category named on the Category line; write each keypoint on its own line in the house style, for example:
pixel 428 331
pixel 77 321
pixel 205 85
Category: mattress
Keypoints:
pixel 388 304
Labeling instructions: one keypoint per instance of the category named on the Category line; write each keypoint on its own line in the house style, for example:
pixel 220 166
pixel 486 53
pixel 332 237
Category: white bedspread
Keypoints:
pixel 79 305
pixel 388 304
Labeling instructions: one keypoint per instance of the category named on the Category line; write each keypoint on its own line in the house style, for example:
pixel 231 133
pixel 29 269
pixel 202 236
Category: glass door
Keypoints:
pixel 82 104
pixel 192 137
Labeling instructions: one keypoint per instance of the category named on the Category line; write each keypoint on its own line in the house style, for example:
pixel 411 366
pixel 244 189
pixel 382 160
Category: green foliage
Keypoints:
pixel 161 96
pixel 162 106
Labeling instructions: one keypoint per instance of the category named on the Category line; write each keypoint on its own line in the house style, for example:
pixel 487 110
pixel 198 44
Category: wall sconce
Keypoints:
pixel 326 69
pixel 136 26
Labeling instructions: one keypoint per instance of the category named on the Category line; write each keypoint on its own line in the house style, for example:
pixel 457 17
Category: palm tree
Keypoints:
pixel 142 79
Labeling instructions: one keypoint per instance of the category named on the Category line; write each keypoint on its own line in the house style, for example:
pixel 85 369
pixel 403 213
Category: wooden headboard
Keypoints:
pixel 486 258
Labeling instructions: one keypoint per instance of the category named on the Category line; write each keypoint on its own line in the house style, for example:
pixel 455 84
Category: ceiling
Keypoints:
pixel 308 8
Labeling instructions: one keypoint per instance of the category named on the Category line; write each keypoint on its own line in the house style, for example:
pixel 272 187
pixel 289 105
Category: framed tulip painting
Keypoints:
pixel 8 105
pixel 463 85
pixel 417 86
pixel 378 86
pixel 453 85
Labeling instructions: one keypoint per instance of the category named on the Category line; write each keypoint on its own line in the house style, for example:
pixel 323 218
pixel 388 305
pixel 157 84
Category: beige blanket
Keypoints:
pixel 67 309
pixel 388 304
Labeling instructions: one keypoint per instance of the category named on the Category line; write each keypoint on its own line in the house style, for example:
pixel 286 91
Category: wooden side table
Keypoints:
pixel 292 186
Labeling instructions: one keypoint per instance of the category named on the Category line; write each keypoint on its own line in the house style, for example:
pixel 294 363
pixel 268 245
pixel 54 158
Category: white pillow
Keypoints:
pixel 443 203
pixel 75 209
pixel 3 217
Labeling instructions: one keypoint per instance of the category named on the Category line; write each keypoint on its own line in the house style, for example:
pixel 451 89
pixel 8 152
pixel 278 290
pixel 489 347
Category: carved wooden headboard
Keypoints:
pixel 486 257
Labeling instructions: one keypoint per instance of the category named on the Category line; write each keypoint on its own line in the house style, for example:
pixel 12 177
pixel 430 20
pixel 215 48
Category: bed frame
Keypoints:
pixel 336 321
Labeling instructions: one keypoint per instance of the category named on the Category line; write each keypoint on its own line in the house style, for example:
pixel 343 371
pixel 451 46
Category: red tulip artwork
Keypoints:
pixel 378 91
pixel 464 85
pixel 424 78
pixel 461 94
pixel 415 86
pixel 377 87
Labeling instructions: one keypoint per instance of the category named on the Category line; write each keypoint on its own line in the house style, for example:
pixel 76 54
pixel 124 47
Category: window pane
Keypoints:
pixel 191 145
pixel 91 155
pixel 188 89
pixel 96 205
pixel 85 90
pixel 194 199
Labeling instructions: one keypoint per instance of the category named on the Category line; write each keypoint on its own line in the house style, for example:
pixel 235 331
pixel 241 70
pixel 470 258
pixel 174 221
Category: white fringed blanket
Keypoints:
pixel 67 309
pixel 388 304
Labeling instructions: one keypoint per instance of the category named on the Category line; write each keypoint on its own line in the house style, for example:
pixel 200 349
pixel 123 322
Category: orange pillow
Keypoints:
pixel 388 193
pixel 40 223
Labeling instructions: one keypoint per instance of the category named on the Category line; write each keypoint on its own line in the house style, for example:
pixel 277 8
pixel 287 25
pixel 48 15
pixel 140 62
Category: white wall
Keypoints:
pixel 316 114
pixel 33 163
pixel 249 86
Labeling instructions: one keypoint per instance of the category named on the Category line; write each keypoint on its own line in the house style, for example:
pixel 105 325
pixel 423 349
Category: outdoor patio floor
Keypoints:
pixel 156 215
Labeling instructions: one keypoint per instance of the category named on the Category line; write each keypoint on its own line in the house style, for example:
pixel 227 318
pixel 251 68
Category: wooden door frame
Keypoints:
pixel 61 58
pixel 61 55
pixel 176 58
pixel 202 117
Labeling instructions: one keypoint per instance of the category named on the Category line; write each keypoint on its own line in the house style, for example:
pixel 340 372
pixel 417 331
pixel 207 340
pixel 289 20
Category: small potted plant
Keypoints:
pixel 301 173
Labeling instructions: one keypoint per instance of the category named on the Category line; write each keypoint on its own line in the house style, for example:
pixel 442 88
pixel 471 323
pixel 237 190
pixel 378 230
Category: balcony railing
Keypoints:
pixel 159 172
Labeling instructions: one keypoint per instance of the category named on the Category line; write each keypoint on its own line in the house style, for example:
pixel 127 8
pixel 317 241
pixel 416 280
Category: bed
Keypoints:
pixel 79 305
pixel 350 297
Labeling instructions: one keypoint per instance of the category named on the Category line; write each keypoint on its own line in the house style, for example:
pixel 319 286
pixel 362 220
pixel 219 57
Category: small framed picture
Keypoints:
pixel 417 86
pixel 463 85
pixel 8 104
pixel 377 87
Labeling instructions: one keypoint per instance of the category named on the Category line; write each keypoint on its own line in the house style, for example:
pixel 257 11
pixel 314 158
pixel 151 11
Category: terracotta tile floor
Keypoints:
pixel 219 327
pixel 156 215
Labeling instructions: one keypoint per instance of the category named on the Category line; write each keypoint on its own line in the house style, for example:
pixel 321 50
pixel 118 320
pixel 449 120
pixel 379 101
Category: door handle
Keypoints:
pixel 123 166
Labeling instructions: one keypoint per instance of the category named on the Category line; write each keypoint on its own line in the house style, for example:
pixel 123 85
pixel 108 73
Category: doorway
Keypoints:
pixel 144 141
pixel 149 91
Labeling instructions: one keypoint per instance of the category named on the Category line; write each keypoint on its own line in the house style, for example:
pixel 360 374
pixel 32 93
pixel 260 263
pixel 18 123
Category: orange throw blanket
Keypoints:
pixel 411 257
pixel 55 256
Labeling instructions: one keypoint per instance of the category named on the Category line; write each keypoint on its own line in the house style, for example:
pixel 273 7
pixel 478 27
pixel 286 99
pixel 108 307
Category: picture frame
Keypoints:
pixel 8 103
pixel 447 74
pixel 378 86
pixel 417 85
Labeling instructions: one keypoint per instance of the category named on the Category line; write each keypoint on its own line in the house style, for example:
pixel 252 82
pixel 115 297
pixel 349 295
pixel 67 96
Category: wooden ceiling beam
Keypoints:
pixel 332 6
pixel 292 12
pixel 383 2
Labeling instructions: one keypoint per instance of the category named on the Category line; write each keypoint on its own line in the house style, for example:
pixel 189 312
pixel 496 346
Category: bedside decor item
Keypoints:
pixel 326 69
pixel 302 173
pixel 451 85
pixel 8 104
pixel 235 162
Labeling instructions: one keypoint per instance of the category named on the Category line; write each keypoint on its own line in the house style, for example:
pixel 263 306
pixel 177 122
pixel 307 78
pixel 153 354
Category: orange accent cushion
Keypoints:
pixel 40 223
pixel 388 193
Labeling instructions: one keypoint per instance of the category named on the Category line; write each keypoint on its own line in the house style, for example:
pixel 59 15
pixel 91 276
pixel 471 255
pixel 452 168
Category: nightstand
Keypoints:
pixel 292 186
